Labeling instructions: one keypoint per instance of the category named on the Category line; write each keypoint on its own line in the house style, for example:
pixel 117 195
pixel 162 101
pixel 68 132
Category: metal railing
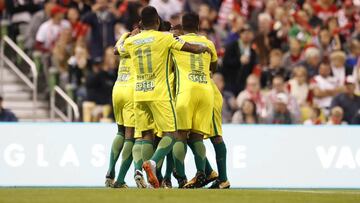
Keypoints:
pixel 30 82
pixel 72 110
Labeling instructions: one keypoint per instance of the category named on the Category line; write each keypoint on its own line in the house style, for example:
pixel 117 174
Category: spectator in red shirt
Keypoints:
pixel 79 29
pixel 324 9
pixel 50 30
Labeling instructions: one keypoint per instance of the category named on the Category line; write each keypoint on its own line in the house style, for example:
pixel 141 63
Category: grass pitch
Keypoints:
pixel 96 195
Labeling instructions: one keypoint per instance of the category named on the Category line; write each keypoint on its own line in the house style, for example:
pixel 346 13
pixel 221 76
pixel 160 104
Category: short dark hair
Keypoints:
pixel 165 26
pixel 149 16
pixel 190 21
pixel 1 99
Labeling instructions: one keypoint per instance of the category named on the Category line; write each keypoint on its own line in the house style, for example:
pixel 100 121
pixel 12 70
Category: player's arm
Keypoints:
pixel 178 44
pixel 120 43
pixel 214 58
pixel 213 67
pixel 195 48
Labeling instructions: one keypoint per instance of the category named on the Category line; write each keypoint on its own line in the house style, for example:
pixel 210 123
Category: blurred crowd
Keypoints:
pixel 281 62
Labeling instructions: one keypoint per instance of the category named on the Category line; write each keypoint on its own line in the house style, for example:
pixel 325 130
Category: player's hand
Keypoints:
pixel 204 49
pixel 135 31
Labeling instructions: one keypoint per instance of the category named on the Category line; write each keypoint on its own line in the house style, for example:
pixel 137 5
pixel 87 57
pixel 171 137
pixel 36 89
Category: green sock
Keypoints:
pixel 158 170
pixel 220 151
pixel 136 153
pixel 126 160
pixel 169 165
pixel 165 146
pixel 179 153
pixel 114 154
pixel 208 168
pixel 147 149
pixel 199 151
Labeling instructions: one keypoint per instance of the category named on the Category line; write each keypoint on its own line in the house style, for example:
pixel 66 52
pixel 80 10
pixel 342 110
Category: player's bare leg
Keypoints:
pixel 165 146
pixel 179 153
pixel 220 151
pixel 116 148
pixel 126 157
pixel 197 146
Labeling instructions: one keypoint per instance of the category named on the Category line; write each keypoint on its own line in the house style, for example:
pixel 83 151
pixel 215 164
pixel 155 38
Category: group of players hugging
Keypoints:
pixel 165 100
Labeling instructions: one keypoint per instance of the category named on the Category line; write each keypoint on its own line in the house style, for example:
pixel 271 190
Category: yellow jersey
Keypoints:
pixel 150 55
pixel 193 69
pixel 125 72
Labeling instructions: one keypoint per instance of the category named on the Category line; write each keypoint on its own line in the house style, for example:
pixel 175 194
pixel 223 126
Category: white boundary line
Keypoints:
pixel 318 192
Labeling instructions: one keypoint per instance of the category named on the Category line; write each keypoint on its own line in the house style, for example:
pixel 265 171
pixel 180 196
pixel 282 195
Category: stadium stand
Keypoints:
pixel 281 61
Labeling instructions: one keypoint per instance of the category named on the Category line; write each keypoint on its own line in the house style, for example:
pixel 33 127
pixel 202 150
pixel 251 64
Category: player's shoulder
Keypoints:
pixel 207 40
pixel 165 35
pixel 145 37
pixel 196 38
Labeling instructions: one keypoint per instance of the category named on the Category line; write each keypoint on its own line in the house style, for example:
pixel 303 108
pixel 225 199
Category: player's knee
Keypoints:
pixel 121 129
pixel 216 140
pixel 148 135
pixel 181 135
pixel 194 137
pixel 129 132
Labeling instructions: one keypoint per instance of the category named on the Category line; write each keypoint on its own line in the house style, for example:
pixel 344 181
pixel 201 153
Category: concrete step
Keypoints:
pixel 29 113
pixel 9 78
pixel 8 74
pixel 6 71
pixel 24 104
pixel 17 96
pixel 15 88
pixel 7 81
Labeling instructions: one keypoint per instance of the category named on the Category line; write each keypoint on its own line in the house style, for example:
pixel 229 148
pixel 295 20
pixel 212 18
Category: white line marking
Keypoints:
pixel 319 192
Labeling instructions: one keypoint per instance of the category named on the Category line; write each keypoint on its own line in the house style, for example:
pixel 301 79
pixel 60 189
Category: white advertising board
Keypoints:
pixel 259 156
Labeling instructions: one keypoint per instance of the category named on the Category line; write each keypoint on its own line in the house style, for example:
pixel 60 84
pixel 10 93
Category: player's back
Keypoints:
pixel 149 51
pixel 194 69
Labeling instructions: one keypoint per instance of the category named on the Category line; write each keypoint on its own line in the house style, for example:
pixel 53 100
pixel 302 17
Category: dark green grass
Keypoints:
pixel 99 195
